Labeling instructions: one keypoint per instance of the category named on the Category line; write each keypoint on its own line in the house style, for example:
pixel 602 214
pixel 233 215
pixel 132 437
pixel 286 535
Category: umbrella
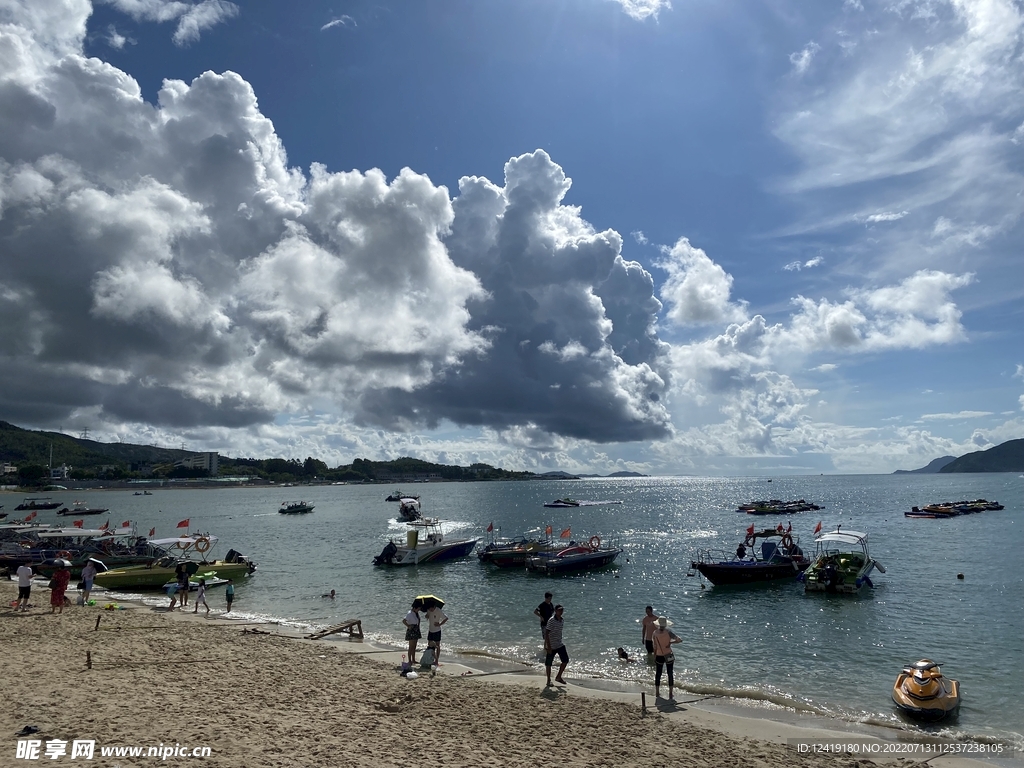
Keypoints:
pixel 62 561
pixel 100 565
pixel 429 601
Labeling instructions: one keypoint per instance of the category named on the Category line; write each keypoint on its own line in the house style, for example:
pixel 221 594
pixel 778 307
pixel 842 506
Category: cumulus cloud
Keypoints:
pixel 697 289
pixel 640 237
pixel 642 9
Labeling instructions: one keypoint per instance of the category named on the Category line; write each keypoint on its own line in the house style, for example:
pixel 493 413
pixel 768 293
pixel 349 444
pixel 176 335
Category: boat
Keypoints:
pixel 37 502
pixel 566 502
pixel 513 553
pixel 295 508
pixel 946 509
pixel 41 548
pixel 777 556
pixel 776 507
pixel 574 558
pixel 398 496
pixel 79 509
pixel 182 550
pixel 210 577
pixel 424 543
pixel 921 692
pixel 841 563
pixel 409 510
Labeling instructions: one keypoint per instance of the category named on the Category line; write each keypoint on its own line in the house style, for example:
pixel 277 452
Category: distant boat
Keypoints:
pixel 574 558
pixel 38 502
pixel 398 496
pixel 295 508
pixel 78 509
pixel 566 502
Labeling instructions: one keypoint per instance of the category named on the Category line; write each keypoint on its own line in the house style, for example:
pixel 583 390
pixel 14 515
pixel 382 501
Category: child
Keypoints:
pixel 201 597
pixel 229 594
pixel 172 592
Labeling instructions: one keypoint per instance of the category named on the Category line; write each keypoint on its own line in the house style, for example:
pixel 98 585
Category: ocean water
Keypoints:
pixel 771 645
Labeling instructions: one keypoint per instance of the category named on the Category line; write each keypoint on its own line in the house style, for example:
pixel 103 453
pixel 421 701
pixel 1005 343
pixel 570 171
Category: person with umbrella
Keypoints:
pixel 88 574
pixel 58 585
pixel 436 618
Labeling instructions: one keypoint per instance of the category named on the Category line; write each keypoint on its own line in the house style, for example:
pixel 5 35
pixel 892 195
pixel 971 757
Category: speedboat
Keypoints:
pixel 776 507
pixel 424 543
pixel 79 509
pixel 398 496
pixel 566 502
pixel 778 556
pixel 37 502
pixel 409 510
pixel 513 553
pixel 574 558
pixel 295 508
pixel 841 563
pixel 182 550
pixel 921 692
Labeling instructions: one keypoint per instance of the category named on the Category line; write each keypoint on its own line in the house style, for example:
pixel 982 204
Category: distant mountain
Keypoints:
pixel 24 446
pixel 934 466
pixel 1008 457
pixel 627 474
pixel 557 475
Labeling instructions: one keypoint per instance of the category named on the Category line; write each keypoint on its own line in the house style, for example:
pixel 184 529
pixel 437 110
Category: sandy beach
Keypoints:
pixel 255 699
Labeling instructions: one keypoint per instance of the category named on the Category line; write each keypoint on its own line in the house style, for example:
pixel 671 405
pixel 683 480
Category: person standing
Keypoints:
pixel 201 597
pixel 24 586
pixel 436 618
pixel 182 578
pixel 647 627
pixel 545 610
pixel 88 575
pixel 663 657
pixel 58 586
pixel 412 628
pixel 229 594
pixel 554 645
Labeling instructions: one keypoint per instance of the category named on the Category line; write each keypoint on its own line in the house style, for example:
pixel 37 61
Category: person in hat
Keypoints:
pixel 58 586
pixel 663 641
pixel 88 574
pixel 412 628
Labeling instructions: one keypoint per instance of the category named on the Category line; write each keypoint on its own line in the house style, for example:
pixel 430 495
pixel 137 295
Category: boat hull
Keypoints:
pixel 739 572
pixel 431 553
pixel 154 577
pixel 574 563
pixel 931 709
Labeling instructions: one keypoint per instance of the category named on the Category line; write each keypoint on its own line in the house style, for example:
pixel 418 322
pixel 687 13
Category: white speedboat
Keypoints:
pixel 424 543
pixel 841 563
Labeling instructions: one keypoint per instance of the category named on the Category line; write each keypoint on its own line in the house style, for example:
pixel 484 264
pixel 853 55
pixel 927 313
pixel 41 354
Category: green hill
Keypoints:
pixel 23 446
pixel 1008 457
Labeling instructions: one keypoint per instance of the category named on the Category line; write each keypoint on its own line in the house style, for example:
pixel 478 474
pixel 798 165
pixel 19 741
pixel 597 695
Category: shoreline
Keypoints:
pixel 250 693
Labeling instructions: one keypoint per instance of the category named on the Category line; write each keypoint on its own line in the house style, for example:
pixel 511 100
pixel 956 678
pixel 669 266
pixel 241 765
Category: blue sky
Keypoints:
pixel 701 238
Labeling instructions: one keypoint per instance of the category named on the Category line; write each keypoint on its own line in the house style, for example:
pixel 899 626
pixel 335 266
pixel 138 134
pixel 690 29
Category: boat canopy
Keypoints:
pixel 843 537
pixel 78 533
pixel 182 542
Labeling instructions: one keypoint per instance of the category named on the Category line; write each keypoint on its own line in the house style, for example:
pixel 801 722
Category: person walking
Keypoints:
pixel 554 646
pixel 229 594
pixel 545 610
pixel 24 586
pixel 663 641
pixel 648 624
pixel 201 597
pixel 58 586
pixel 436 618
pixel 412 628
pixel 88 575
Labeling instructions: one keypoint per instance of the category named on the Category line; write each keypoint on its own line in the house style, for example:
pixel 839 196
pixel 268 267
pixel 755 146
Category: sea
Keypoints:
pixel 771 648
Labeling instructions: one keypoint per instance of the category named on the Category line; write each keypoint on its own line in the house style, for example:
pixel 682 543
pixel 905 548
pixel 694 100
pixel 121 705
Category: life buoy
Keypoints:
pixel 202 544
pixel 64 554
pixel 787 542
pixel 595 542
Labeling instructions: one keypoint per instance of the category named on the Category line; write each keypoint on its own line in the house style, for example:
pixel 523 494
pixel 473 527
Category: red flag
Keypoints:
pixel 750 530
pixel 548 530
pixel 105 525
pixel 30 516
pixel 152 532
pixel 184 523
pixel 565 534
pixel 779 527
pixel 126 524
pixel 490 527
pixel 77 523
pixel 790 529
pixel 817 528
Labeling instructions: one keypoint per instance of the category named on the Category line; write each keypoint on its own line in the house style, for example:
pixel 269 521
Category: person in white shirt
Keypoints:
pixel 24 586
pixel 436 618
pixel 201 596
pixel 412 628
pixel 88 574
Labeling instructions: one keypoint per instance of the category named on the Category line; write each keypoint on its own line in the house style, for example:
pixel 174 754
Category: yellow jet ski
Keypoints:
pixel 923 693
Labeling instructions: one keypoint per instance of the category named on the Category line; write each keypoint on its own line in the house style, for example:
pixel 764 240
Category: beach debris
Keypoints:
pixel 28 730
pixel 254 631
pixel 352 627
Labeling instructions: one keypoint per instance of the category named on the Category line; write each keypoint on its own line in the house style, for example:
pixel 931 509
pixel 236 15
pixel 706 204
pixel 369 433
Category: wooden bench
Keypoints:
pixel 351 627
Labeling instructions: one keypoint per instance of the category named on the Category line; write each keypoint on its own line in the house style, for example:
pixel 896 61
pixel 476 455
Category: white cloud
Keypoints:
pixel 640 237
pixel 115 39
pixel 801 60
pixel 955 416
pixel 825 367
pixel 874 218
pixel 193 18
pixel 697 289
pixel 642 9
pixel 796 266
pixel 341 21
pixel 1019 373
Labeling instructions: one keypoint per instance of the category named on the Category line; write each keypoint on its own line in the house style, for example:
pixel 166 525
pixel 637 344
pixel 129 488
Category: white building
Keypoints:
pixel 208 461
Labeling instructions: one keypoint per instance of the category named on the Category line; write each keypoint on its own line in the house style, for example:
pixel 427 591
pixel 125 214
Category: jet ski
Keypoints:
pixel 921 692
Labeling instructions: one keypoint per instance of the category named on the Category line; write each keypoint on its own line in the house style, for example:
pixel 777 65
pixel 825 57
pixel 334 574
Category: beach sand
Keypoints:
pixel 255 700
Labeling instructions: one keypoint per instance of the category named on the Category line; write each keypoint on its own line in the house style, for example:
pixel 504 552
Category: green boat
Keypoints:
pixel 183 551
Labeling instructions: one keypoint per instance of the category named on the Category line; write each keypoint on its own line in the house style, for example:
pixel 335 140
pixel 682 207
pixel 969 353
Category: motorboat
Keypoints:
pixel 210 577
pixel 513 553
pixel 946 509
pixel 295 508
pixel 41 548
pixel 765 555
pixel 398 496
pixel 776 507
pixel 921 692
pixel 409 510
pixel 37 502
pixel 79 509
pixel 574 557
pixel 841 563
pixel 183 550
pixel 424 543
pixel 566 502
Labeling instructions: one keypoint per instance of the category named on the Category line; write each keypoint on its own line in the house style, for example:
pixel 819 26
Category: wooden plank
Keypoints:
pixel 352 627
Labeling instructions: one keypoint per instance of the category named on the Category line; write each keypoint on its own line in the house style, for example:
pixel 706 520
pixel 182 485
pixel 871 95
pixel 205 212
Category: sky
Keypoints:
pixel 697 237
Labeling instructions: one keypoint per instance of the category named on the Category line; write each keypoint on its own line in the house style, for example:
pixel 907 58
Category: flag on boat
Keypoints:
pixel 750 530
pixel 152 532
pixel 548 530
pixel 77 523
pixel 105 525
pixel 779 527
pixel 817 528
pixel 565 534
pixel 490 527
pixel 790 528
pixel 30 516
pixel 126 524
pixel 184 523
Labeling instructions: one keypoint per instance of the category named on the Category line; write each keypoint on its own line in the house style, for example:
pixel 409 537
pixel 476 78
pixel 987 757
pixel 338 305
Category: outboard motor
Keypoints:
pixel 233 556
pixel 387 555
pixel 830 577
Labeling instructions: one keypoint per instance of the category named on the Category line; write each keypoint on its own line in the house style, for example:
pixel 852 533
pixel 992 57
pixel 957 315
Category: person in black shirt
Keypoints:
pixel 545 610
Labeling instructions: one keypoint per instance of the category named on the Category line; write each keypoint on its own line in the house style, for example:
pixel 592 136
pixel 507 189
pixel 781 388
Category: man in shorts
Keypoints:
pixel 24 586
pixel 647 627
pixel 545 610
pixel 436 619
pixel 554 646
